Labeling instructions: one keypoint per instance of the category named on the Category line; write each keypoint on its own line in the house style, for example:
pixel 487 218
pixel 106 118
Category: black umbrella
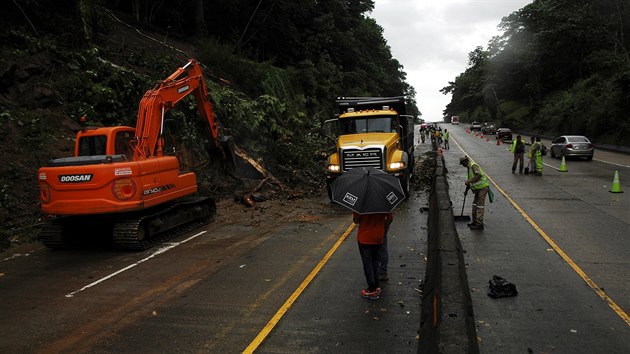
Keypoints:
pixel 367 190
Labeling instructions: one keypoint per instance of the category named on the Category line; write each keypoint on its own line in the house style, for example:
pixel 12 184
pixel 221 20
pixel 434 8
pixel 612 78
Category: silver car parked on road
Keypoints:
pixel 572 146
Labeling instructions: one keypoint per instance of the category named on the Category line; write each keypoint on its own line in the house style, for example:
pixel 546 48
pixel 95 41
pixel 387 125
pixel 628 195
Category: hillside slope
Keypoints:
pixel 49 82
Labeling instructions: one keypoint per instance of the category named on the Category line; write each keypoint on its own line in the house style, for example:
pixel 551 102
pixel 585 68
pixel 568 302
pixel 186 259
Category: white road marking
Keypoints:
pixel 16 255
pixel 611 163
pixel 169 246
pixel 555 168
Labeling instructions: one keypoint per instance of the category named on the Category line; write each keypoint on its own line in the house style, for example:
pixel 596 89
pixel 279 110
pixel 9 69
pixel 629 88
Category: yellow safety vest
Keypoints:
pixel 536 146
pixel 482 182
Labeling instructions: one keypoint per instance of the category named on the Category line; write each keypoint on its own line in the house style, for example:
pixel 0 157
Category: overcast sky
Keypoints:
pixel 432 39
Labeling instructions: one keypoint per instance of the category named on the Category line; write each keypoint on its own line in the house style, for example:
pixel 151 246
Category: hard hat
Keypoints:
pixel 463 158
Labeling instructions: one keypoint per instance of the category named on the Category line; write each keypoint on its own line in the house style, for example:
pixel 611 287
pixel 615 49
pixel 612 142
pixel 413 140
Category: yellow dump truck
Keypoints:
pixel 371 132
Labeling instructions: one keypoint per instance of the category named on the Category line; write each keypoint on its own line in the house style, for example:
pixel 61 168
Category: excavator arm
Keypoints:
pixel 156 102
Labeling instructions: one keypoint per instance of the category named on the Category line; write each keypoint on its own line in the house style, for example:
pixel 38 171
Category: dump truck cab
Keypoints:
pixel 372 132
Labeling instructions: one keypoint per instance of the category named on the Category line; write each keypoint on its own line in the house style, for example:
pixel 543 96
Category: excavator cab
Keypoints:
pixel 105 141
pixel 125 176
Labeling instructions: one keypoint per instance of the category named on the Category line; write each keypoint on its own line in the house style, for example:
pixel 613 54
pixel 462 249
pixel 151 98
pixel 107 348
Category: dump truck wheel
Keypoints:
pixel 405 183
pixel 329 190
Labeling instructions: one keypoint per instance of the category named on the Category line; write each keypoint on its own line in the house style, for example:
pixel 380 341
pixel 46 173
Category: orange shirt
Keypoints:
pixel 372 227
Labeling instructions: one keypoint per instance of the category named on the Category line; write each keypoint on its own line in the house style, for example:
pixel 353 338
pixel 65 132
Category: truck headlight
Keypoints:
pixel 397 165
pixel 334 168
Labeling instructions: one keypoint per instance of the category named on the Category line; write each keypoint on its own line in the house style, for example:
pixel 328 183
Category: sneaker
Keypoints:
pixel 471 224
pixel 477 227
pixel 383 277
pixel 372 295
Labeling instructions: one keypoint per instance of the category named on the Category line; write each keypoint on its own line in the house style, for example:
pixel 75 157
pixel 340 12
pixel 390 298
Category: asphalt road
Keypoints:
pixel 218 289
pixel 562 238
pixel 290 282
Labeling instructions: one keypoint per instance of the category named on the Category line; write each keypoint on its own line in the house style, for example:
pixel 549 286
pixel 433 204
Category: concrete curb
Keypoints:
pixel 447 322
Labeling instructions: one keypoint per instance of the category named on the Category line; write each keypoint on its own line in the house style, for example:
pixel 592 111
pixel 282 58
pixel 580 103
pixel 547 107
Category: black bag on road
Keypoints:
pixel 500 287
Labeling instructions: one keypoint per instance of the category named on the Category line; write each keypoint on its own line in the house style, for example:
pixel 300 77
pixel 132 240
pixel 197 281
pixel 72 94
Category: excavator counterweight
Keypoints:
pixel 120 179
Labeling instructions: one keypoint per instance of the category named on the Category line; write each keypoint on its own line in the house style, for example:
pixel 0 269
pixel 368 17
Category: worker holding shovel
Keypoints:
pixel 478 183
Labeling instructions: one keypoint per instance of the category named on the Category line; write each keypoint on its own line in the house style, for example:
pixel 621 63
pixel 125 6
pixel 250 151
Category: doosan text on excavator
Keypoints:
pixel 120 179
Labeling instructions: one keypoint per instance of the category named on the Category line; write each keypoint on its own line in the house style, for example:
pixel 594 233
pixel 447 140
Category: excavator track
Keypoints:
pixel 51 235
pixel 133 232
pixel 144 231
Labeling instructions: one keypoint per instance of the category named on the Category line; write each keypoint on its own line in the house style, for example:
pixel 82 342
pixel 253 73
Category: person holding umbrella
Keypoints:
pixel 372 195
pixel 370 237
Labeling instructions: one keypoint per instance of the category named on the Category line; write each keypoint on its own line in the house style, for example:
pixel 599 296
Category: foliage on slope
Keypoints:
pixel 273 71
pixel 560 67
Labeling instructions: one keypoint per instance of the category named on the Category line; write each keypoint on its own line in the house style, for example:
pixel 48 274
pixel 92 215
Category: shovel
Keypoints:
pixel 527 168
pixel 462 217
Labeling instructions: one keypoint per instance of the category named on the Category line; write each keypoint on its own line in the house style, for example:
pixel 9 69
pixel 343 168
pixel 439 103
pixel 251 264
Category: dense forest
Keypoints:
pixel 560 67
pixel 273 69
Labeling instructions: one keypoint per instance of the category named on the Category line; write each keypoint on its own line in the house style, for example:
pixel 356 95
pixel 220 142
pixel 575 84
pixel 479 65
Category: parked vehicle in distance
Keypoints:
pixel 455 120
pixel 475 126
pixel 488 128
pixel 504 134
pixel 572 146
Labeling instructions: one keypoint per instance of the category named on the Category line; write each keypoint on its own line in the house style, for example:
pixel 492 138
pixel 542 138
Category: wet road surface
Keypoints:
pixel 214 290
pixel 561 238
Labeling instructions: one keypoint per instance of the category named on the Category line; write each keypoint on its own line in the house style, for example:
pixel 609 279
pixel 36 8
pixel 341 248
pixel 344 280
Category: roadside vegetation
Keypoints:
pixel 273 71
pixel 560 67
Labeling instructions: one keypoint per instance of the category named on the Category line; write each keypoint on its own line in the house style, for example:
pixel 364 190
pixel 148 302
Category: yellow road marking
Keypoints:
pixel 624 316
pixel 287 305
pixel 601 293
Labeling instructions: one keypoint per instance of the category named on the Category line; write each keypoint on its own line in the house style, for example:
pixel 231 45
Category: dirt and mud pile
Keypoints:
pixel 424 171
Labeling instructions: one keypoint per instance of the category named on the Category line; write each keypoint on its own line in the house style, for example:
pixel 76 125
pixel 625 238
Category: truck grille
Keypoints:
pixel 370 157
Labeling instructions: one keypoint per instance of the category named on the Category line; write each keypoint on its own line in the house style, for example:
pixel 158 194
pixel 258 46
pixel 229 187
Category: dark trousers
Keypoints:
pixel 518 158
pixel 370 259
pixel 383 256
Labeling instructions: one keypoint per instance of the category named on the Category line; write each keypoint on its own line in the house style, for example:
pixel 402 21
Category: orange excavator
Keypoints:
pixel 120 181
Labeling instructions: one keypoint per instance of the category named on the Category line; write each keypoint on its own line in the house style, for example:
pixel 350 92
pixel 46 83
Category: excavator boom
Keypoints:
pixel 156 102
pixel 120 177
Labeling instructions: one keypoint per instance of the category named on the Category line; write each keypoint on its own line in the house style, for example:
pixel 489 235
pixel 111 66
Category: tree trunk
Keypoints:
pixel 621 38
pixel 84 13
pixel 200 20
pixel 135 9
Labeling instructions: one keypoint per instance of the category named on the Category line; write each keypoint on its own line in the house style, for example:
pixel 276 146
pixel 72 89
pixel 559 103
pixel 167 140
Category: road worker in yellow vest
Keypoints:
pixel 445 138
pixel 479 184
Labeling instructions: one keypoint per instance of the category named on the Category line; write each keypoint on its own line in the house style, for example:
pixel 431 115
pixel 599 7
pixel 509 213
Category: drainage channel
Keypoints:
pixel 447 319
